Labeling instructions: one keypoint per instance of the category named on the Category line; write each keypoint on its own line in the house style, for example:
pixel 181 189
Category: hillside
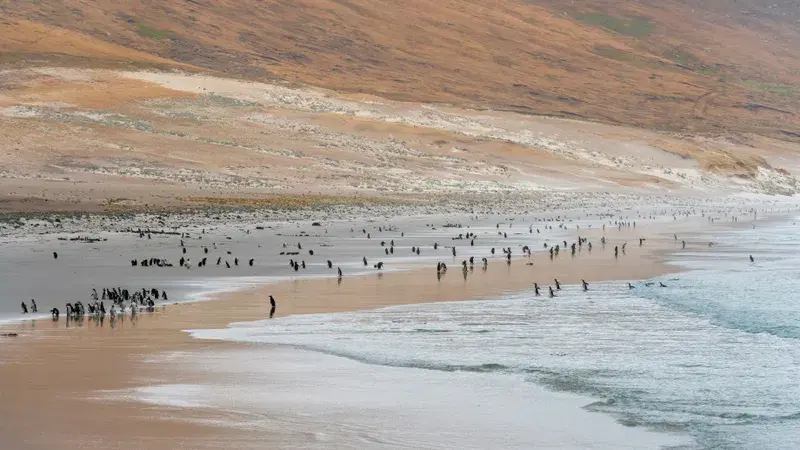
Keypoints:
pixel 715 67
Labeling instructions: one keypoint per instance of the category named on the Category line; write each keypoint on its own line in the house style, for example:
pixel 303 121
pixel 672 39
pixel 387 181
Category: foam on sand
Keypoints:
pixel 317 401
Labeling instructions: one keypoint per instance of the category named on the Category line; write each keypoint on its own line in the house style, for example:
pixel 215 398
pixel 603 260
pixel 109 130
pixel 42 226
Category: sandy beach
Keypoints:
pixel 50 369
pixel 512 225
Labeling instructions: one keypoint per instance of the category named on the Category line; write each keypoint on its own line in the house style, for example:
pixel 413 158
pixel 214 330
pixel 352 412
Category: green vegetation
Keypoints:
pixel 171 133
pixel 628 57
pixel 688 59
pixel 636 26
pixel 708 70
pixel 611 52
pixel 153 33
pixel 684 57
pixel 218 142
pixel 11 56
pixel 220 100
pixel 780 89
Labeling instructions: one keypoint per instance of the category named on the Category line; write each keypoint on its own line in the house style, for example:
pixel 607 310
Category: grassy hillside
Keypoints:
pixel 696 66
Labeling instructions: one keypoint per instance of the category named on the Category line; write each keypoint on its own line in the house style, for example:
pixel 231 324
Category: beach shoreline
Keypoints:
pixel 89 360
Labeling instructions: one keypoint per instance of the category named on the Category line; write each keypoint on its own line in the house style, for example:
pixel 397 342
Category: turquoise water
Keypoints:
pixel 714 354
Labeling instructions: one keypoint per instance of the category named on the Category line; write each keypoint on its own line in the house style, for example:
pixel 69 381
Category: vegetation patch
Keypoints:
pixel 780 89
pixel 153 33
pixel 689 60
pixel 11 56
pixel 630 58
pixel 611 52
pixel 683 57
pixel 636 26
pixel 219 100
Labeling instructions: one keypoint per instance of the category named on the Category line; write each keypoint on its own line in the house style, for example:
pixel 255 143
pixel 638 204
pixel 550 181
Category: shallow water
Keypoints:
pixel 715 353
pixel 293 398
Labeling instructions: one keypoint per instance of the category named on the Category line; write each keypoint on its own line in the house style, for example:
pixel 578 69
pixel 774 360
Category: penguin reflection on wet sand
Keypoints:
pixel 273 306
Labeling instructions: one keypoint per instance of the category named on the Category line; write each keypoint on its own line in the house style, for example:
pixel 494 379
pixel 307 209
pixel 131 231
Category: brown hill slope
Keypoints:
pixel 697 66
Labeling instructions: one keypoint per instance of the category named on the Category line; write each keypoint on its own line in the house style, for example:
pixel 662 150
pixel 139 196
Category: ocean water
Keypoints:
pixel 715 354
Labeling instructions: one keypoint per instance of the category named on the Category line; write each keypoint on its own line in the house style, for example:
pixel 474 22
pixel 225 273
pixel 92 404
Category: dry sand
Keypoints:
pixel 49 371
pixel 80 139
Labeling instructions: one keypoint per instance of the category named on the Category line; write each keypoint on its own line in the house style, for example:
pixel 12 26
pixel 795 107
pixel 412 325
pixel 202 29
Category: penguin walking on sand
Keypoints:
pixel 558 285
pixel 585 285
pixel 536 289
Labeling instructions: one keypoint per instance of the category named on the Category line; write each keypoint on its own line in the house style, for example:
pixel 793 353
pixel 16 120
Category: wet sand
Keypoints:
pixel 50 371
